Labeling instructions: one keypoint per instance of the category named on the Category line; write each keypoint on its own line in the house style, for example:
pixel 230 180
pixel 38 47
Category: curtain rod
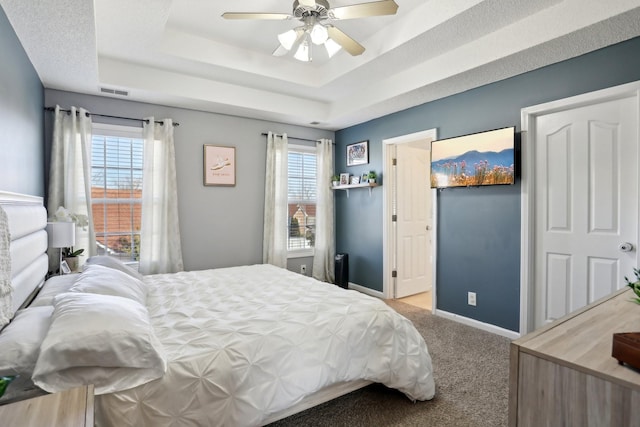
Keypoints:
pixel 111 117
pixel 292 137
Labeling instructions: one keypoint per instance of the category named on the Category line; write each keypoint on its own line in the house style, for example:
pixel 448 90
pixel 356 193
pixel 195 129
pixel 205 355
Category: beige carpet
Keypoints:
pixel 471 371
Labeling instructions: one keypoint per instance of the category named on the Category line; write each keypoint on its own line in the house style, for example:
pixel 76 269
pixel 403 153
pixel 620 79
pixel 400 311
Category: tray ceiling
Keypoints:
pixel 182 53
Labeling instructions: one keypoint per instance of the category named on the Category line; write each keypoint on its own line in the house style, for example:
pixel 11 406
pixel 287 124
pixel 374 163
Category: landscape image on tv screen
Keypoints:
pixel 485 158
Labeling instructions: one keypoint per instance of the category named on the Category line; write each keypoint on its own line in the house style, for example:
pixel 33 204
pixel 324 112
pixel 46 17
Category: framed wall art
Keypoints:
pixel 358 153
pixel 219 165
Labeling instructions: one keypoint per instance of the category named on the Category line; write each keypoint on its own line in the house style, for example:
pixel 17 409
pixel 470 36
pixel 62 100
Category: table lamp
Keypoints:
pixel 61 235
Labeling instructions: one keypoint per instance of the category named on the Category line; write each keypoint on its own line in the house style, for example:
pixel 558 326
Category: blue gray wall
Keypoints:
pixel 220 226
pixel 478 228
pixel 21 116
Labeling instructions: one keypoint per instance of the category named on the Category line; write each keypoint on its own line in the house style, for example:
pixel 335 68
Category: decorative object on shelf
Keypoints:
pixel 635 286
pixel 365 177
pixel 344 179
pixel 372 177
pixel 355 180
pixel 219 165
pixel 335 180
pixel 626 348
pixel 358 153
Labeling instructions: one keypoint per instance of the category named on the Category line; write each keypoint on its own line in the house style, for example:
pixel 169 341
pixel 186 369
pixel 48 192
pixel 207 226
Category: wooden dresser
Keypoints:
pixel 70 408
pixel 564 375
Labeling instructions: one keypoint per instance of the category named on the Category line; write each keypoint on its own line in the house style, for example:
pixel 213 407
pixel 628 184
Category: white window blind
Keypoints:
pixel 116 190
pixel 302 194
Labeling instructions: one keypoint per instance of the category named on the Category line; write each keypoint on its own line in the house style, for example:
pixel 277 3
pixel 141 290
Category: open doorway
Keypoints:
pixel 408 218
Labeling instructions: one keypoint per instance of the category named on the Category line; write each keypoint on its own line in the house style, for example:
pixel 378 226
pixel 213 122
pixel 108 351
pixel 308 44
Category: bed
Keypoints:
pixel 244 345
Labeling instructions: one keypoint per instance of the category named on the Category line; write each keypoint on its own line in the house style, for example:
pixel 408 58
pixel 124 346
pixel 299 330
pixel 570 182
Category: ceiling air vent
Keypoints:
pixel 114 91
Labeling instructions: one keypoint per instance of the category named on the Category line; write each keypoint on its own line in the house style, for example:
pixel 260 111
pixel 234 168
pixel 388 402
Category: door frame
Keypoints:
pixel 528 195
pixel 387 228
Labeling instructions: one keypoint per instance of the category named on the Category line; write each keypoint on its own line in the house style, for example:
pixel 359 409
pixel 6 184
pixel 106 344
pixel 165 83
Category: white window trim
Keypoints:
pixel 117 130
pixel 134 132
pixel 309 252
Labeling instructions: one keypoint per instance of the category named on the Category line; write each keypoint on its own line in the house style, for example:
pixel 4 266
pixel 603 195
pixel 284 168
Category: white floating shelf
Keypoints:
pixel 350 186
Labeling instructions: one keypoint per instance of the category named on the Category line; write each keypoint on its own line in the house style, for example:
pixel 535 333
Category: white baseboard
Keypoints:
pixel 477 324
pixel 365 290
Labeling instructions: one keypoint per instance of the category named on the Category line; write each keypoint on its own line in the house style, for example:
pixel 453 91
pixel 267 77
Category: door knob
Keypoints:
pixel 626 247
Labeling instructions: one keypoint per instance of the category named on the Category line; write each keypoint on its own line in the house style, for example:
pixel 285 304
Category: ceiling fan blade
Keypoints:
pixel 347 43
pixel 308 3
pixel 363 10
pixel 251 15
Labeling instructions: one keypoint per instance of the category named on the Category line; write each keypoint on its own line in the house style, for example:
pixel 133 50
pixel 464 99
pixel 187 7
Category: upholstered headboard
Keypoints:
pixel 26 220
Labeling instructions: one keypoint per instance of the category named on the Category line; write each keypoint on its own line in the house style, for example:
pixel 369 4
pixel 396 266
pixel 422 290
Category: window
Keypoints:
pixel 301 200
pixel 116 190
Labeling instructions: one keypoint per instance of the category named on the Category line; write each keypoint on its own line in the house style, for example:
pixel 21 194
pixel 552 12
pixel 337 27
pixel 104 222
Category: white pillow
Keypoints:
pixel 20 340
pixel 52 287
pixel 96 279
pixel 102 340
pixel 115 263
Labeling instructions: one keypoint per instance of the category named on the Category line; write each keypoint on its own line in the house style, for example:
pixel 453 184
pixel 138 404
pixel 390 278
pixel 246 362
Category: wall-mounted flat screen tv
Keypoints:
pixel 484 158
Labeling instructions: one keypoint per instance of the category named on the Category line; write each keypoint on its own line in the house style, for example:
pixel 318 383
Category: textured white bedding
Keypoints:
pixel 244 342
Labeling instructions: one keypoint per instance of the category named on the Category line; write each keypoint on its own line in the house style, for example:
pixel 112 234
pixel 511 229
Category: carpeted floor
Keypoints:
pixel 471 371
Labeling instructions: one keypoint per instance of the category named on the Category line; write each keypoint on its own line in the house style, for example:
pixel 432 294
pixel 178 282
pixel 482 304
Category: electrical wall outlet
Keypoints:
pixel 303 269
pixel 471 298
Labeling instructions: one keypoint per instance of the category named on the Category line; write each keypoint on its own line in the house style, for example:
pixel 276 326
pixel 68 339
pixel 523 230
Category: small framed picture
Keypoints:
pixel 65 267
pixel 344 178
pixel 364 178
pixel 219 165
pixel 355 180
pixel 358 153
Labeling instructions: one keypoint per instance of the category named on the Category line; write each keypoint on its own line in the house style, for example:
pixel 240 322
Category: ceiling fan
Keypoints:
pixel 315 30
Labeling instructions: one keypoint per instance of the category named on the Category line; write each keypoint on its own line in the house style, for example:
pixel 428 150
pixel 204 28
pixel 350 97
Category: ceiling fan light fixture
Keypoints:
pixel 287 39
pixel 319 34
pixel 332 47
pixel 304 51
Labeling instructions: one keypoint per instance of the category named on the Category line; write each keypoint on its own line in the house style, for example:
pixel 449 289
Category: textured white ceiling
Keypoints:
pixel 182 53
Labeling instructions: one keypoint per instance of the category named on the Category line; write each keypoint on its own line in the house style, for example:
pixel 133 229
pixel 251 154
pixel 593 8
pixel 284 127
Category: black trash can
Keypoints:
pixel 342 270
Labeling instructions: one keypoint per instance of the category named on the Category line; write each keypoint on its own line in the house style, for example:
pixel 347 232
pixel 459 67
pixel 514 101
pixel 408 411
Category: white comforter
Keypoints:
pixel 244 342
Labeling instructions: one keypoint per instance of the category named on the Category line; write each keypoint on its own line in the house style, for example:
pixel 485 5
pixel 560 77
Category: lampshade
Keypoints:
pixel 287 39
pixel 332 47
pixel 301 41
pixel 61 234
pixel 319 34
pixel 304 51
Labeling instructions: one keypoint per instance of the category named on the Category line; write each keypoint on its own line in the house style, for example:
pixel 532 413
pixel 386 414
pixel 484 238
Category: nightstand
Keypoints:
pixel 70 408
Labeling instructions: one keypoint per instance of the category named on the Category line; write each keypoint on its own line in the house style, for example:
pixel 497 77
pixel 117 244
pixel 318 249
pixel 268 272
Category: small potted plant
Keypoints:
pixel 335 180
pixel 71 257
pixel 635 286
pixel 372 177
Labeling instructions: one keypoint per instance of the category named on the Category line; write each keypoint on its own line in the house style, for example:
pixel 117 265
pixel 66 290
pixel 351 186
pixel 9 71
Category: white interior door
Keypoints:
pixel 586 204
pixel 413 213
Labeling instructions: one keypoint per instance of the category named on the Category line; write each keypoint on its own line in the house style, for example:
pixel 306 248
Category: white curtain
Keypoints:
pixel 160 250
pixel 324 252
pixel 274 244
pixel 70 173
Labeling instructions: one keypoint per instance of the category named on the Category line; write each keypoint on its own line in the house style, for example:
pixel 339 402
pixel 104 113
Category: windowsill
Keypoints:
pixel 300 254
